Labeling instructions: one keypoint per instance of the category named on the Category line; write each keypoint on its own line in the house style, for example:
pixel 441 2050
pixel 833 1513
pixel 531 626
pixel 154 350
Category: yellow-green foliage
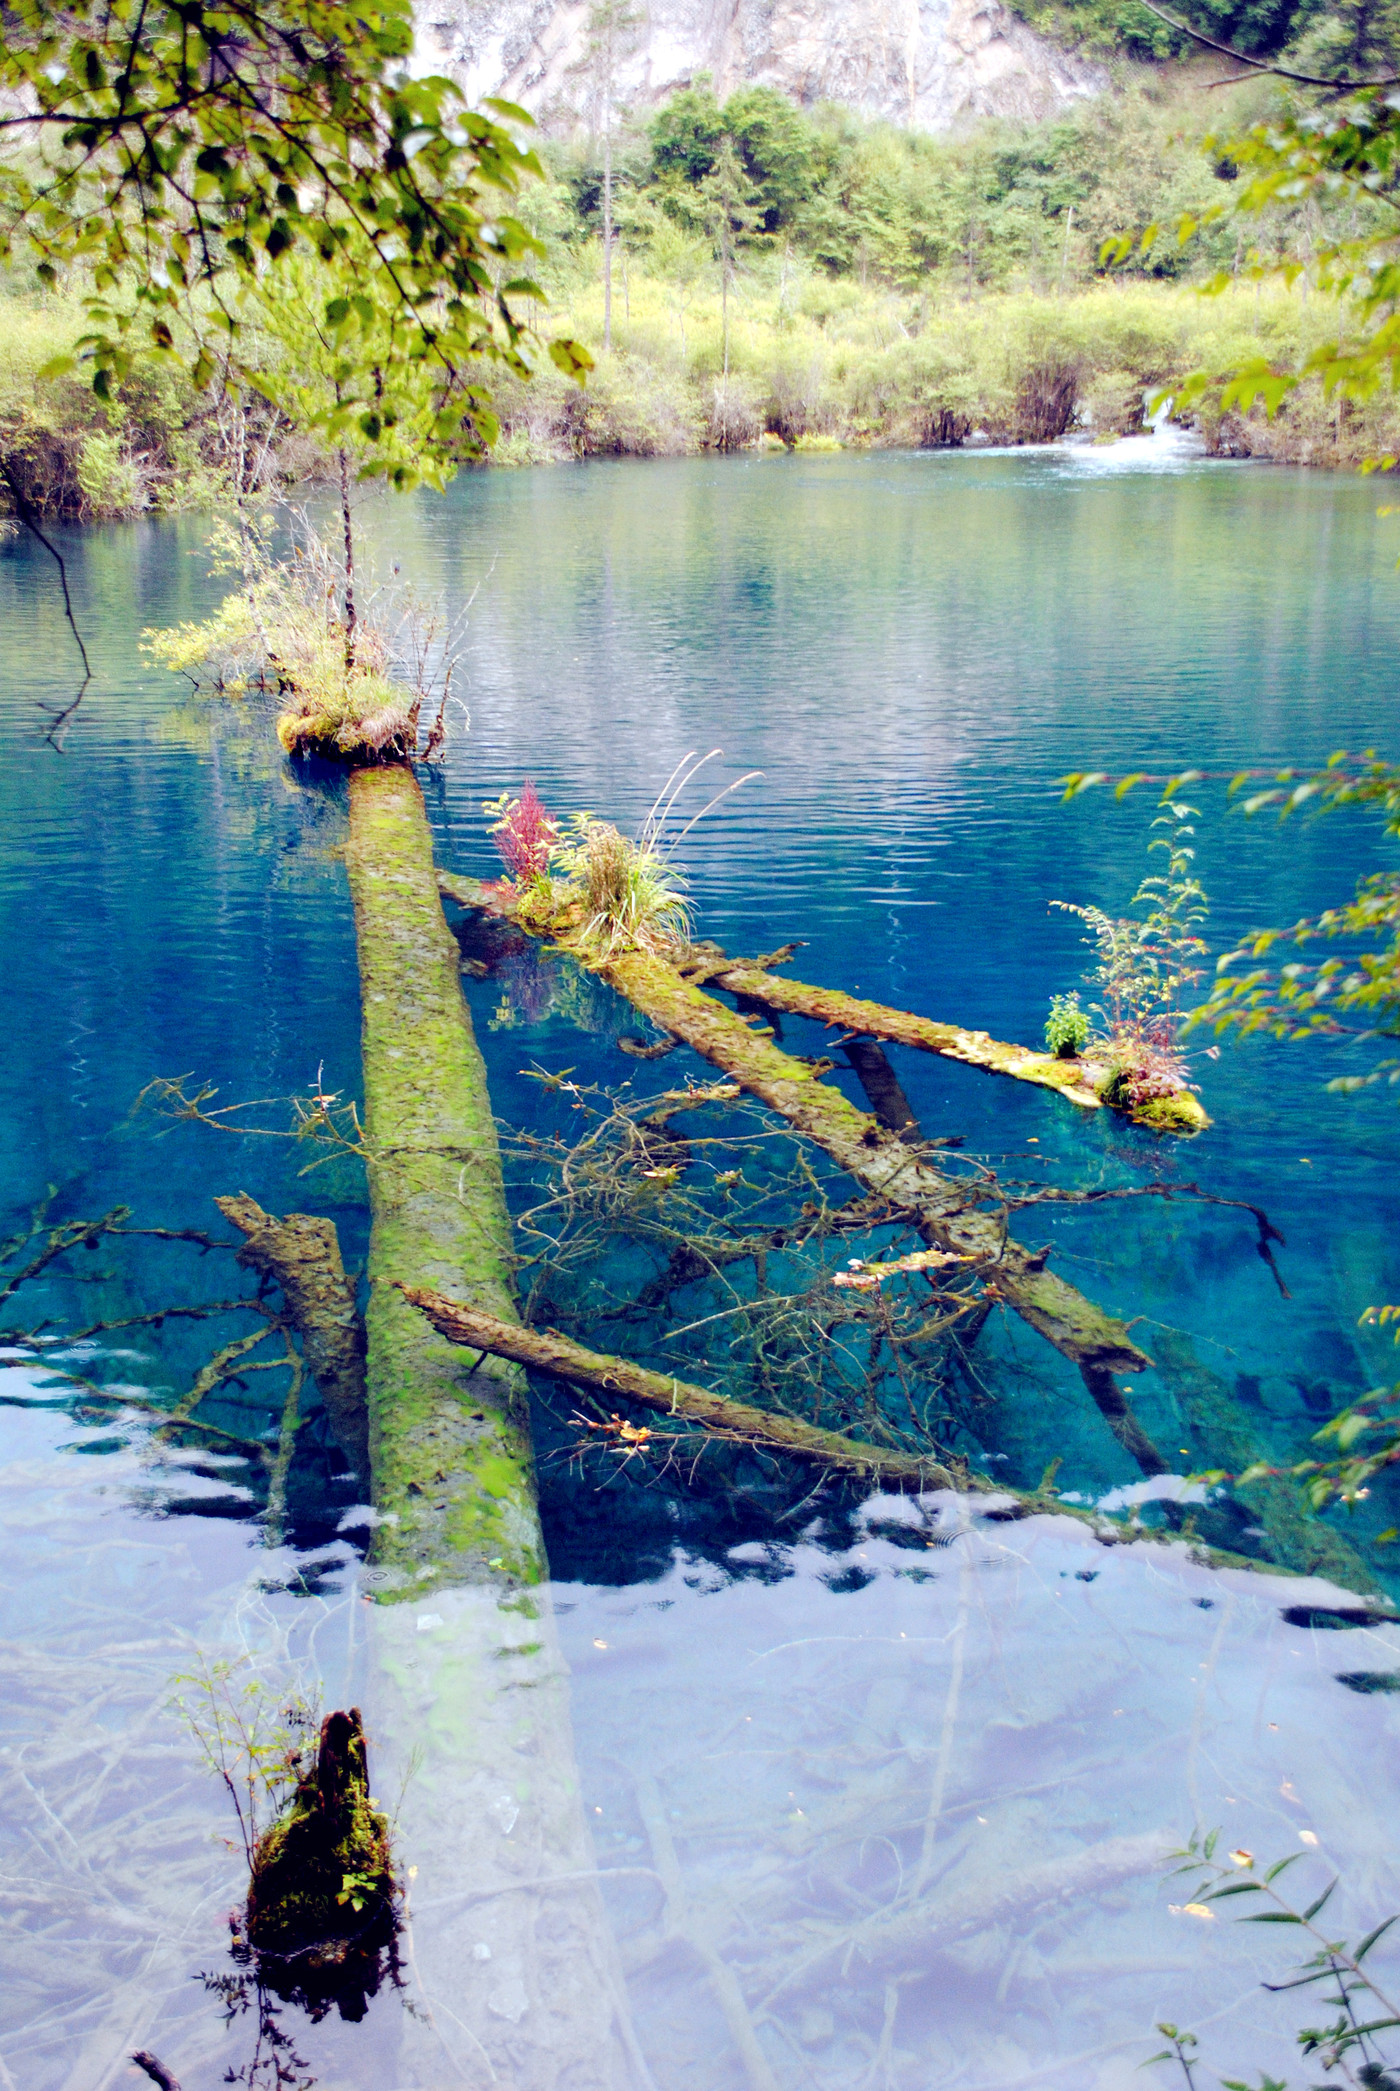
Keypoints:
pixel 283 627
pixel 818 361
pixel 152 446
pixel 626 894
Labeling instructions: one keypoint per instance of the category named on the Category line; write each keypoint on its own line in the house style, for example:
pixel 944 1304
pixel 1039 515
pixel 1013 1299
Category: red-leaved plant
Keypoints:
pixel 524 833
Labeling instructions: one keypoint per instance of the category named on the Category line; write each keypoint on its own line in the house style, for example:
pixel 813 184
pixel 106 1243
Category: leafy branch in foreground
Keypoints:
pixel 1365 1439
pixel 256 1747
pixel 1336 143
pixel 1345 2042
pixel 190 146
pixel 1300 1000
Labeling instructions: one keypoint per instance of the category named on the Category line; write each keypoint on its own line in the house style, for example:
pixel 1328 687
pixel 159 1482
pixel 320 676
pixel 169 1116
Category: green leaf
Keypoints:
pixel 1273 1916
pixel 512 111
pixel 1372 1936
pixel 1313 1907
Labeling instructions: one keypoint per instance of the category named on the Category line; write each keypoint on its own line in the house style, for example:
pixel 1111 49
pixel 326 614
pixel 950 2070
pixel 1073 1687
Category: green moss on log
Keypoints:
pixel 876 1158
pixel 622 1378
pixel 1074 1079
pixel 1094 1341
pixel 322 1875
pixel 1182 1113
pixel 873 1020
pixel 453 1474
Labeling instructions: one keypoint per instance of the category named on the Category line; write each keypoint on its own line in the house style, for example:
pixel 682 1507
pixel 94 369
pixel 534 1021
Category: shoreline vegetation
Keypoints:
pixel 840 366
pixel 790 280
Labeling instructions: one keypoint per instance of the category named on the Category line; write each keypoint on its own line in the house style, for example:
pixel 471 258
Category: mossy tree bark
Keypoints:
pixel 449 1441
pixel 468 1696
pixel 1090 1339
pixel 1072 1078
pixel 549 1352
pixel 1096 1343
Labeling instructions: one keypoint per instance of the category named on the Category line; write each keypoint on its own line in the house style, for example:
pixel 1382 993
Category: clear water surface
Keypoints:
pixel 991 1730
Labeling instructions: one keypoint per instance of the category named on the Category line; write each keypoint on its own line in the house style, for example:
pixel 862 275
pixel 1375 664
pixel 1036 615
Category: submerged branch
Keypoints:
pixel 546 1351
pixel 947 1213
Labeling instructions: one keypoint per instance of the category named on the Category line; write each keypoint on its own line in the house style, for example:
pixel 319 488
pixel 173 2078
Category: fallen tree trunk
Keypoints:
pixel 756 987
pixel 547 1351
pixel 907 1935
pixel 449 1443
pixel 774 991
pixel 1093 1341
pixel 468 1697
pixel 301 1254
pixel 622 1379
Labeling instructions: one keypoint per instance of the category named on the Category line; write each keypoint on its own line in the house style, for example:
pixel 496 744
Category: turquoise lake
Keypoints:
pixel 993 1730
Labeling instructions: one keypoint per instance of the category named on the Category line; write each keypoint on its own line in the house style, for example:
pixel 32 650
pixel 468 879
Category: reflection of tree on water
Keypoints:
pixel 259 1988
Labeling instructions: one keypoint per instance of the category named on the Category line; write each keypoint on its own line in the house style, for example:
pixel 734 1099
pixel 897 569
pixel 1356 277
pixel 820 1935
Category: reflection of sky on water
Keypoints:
pixel 888 1815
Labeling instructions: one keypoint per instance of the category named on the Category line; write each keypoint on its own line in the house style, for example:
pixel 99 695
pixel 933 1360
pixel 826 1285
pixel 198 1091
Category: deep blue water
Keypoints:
pixel 912 650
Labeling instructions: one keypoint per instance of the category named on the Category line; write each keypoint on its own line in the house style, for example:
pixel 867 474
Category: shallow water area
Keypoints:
pixel 894 1812
pixel 877 1794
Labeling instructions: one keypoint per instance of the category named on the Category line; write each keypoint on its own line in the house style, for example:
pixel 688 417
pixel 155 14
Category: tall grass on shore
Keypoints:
pixel 815 362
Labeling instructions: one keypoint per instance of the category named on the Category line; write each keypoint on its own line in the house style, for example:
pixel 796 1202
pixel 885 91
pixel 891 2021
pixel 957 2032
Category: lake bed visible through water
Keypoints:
pixel 877 1791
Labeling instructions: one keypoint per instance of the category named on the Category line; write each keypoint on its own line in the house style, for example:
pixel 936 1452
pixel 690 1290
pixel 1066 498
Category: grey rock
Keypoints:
pixel 929 64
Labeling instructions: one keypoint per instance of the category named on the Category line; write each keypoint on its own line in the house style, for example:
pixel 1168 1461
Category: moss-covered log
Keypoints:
pixel 449 1441
pixel 620 1378
pixel 1081 1331
pixel 774 991
pixel 623 1380
pixel 301 1255
pixel 1093 1341
pixel 468 1695
pixel 1076 1080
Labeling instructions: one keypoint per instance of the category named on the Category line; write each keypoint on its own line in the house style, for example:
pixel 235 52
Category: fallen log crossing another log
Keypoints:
pixel 1082 1082
pixel 946 1211
pixel 621 1379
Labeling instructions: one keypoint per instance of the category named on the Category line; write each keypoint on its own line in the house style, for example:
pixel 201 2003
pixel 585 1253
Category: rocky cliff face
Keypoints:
pixel 930 64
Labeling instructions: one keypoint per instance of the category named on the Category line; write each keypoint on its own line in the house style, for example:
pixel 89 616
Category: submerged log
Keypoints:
pixel 884 1092
pixel 449 1440
pixel 1074 1079
pixel 547 1351
pixel 468 1692
pixel 301 1254
pixel 1293 1538
pixel 910 1934
pixel 1095 1342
